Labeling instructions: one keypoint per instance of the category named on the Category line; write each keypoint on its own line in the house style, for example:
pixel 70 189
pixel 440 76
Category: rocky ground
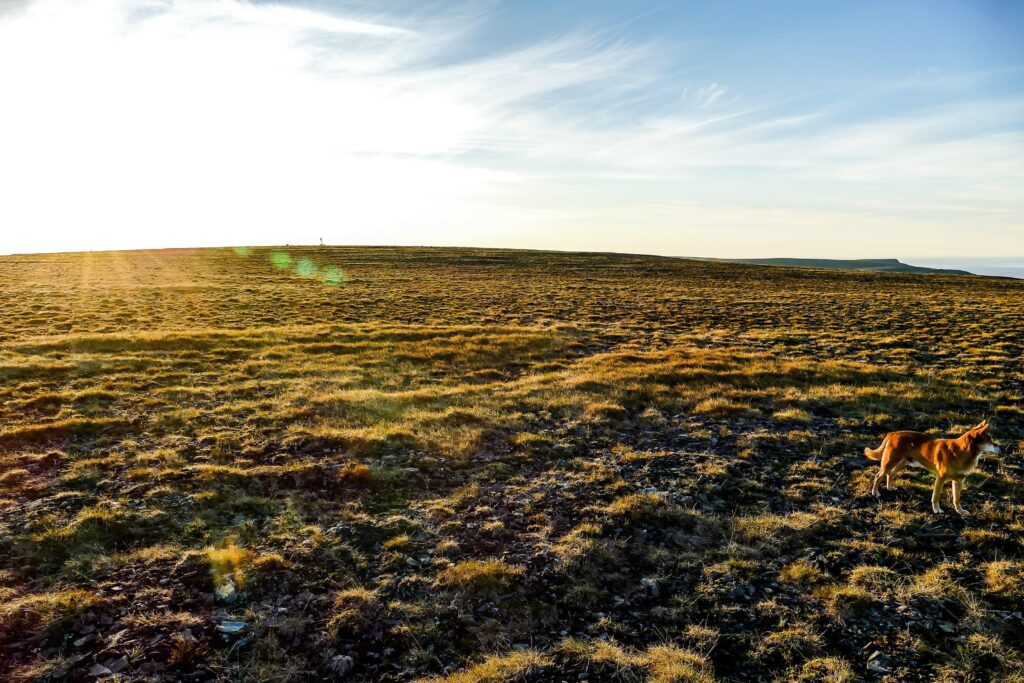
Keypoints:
pixel 472 465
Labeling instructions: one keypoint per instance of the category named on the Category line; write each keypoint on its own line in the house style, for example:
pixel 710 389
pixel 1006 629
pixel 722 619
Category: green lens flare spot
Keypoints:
pixel 243 251
pixel 281 259
pixel 334 276
pixel 305 268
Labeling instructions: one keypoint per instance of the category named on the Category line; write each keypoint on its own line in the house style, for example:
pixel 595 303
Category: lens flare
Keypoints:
pixel 306 268
pixel 333 276
pixel 281 259
pixel 227 564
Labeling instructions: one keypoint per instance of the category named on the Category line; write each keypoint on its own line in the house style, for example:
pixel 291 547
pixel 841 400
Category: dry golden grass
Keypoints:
pixel 800 572
pixel 821 670
pixel 475 465
pixel 479 575
pixel 1005 578
pixel 789 644
pixel 504 669
pixel 656 664
pixel 31 613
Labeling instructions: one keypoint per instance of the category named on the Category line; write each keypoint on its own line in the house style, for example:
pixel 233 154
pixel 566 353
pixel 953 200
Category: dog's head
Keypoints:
pixel 979 440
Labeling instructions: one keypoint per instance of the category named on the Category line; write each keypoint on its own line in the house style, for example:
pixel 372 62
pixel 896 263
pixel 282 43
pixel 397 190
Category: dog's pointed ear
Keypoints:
pixel 982 426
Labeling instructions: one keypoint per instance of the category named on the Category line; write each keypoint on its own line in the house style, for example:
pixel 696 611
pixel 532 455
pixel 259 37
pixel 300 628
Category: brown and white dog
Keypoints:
pixel 947 459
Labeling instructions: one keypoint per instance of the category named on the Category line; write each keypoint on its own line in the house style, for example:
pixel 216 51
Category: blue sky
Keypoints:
pixel 838 129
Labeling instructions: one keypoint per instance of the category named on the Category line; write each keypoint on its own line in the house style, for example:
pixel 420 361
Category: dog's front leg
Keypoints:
pixel 937 494
pixel 957 487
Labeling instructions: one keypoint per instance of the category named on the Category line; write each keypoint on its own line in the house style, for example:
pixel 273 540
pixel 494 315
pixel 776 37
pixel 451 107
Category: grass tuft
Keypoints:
pixel 479 575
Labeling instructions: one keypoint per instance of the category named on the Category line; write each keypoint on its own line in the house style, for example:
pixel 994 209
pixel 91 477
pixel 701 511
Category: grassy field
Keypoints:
pixel 480 465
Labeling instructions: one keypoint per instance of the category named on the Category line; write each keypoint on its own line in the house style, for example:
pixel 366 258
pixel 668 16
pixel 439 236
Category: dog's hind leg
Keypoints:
pixel 876 481
pixel 882 472
pixel 893 470
pixel 884 469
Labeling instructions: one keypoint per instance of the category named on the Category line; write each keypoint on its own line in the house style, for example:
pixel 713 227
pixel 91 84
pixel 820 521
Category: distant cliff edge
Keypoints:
pixel 889 265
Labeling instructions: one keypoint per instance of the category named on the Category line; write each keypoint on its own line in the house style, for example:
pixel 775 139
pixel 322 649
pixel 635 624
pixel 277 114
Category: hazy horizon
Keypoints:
pixel 998 266
pixel 730 130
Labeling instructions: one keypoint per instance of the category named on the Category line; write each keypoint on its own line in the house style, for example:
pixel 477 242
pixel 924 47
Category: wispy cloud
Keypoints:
pixel 8 7
pixel 258 122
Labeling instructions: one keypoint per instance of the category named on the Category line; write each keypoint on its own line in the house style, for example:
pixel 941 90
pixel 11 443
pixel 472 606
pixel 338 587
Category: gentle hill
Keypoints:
pixel 472 465
pixel 887 265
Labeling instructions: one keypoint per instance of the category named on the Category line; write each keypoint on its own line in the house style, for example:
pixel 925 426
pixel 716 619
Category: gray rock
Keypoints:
pixel 232 627
pixel 100 671
pixel 117 665
pixel 878 663
pixel 226 592
pixel 341 665
pixel 652 586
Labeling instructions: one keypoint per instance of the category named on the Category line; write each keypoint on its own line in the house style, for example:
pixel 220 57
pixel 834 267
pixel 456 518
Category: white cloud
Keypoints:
pixel 177 122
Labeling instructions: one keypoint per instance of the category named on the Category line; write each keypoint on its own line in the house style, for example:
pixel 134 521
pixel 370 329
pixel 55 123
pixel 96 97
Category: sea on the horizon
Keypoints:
pixel 999 266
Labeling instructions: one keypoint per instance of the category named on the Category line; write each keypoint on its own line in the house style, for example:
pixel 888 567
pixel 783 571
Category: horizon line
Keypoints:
pixel 502 248
pixel 746 260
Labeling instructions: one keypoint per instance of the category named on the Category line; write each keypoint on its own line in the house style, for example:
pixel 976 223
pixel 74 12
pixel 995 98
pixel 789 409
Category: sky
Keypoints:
pixel 723 129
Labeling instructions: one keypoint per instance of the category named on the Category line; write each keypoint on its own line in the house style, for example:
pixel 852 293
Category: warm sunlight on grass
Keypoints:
pixel 478 465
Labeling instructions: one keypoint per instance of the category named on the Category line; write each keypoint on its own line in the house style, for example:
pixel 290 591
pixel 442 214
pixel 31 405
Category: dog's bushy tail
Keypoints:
pixel 876 453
